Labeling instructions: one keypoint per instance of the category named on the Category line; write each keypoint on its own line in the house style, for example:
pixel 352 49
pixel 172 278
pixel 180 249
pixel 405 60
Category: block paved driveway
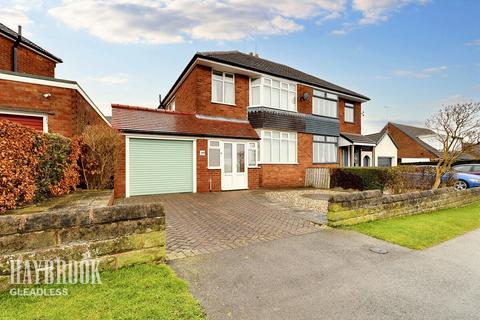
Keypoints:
pixel 200 223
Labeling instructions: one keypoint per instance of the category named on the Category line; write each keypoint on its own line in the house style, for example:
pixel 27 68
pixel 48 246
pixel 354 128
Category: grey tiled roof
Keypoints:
pixel 12 34
pixel 357 138
pixel 255 63
pixel 375 136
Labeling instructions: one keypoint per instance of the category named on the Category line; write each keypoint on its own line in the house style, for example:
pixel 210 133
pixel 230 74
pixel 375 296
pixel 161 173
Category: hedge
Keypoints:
pixel 358 178
pixel 34 165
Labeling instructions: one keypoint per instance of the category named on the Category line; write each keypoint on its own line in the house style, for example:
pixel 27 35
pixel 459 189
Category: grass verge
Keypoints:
pixel 424 230
pixel 139 292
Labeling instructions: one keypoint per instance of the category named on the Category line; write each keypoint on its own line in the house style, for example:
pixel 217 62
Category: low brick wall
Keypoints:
pixel 118 235
pixel 358 207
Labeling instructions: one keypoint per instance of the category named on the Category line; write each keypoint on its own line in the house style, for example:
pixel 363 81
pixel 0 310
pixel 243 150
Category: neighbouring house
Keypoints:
pixel 386 150
pixel 236 121
pixel 32 96
pixel 414 144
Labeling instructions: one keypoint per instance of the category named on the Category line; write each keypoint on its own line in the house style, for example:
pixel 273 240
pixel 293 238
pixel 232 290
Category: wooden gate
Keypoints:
pixel 317 178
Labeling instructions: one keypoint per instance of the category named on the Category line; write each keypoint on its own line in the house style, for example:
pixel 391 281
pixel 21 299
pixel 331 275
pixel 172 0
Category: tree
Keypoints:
pixel 457 128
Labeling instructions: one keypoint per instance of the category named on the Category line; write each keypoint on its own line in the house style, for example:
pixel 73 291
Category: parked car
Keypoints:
pixel 462 180
pixel 473 168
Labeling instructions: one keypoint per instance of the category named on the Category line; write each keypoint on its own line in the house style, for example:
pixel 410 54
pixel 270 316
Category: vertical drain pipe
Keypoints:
pixel 210 184
pixel 14 49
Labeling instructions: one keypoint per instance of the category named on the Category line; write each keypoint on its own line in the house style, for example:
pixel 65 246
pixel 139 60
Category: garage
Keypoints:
pixel 158 166
pixel 384 161
pixel 34 122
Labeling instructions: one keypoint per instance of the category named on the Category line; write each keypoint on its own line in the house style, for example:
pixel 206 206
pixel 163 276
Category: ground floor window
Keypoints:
pixel 214 154
pixel 278 147
pixel 325 149
pixel 252 154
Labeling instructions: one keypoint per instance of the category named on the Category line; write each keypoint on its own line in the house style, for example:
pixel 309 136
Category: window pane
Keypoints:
pixel 291 87
pixel 255 96
pixel 275 98
pixel 275 150
pixel 256 81
pixel 318 93
pixel 252 158
pixel 284 85
pixel 240 158
pixel 292 151
pixel 349 117
pixel 214 143
pixel 332 96
pixel 229 93
pixel 275 84
pixel 217 75
pixel 284 135
pixel 284 151
pixel 267 133
pixel 266 150
pixel 228 157
pixel 214 157
pixel 276 134
pixel 217 91
pixel 284 100
pixel 291 101
pixel 266 96
pixel 229 77
pixel 267 82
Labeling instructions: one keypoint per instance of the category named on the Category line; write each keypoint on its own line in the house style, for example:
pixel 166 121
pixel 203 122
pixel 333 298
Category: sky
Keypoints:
pixel 409 56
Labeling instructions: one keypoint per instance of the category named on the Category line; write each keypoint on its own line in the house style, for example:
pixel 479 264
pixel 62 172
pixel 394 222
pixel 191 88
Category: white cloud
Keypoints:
pixel 168 21
pixel 420 74
pixel 474 43
pixel 374 11
pixel 12 18
pixel 114 79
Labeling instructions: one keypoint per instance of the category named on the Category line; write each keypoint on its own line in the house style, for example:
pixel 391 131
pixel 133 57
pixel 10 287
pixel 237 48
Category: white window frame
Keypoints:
pixel 44 116
pixel 290 134
pixel 320 94
pixel 345 112
pixel 263 84
pixel 223 87
pixel 257 158
pixel 325 138
pixel 220 154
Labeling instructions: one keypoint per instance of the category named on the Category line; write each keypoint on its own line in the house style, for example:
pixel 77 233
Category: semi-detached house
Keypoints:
pixel 236 121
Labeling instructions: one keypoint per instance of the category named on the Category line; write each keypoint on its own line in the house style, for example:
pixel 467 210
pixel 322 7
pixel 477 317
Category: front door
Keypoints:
pixel 234 166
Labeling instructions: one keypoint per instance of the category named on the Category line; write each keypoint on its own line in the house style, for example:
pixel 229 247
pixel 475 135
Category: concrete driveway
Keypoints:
pixel 332 274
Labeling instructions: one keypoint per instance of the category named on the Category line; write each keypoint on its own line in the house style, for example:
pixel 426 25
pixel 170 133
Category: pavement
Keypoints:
pixel 332 274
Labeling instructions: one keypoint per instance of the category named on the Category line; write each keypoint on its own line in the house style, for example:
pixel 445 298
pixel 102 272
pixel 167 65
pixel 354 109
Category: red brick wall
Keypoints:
pixel 195 95
pixel 71 112
pixel 304 106
pixel 292 175
pixel 408 147
pixel 254 178
pixel 347 127
pixel 28 61
pixel 119 176
pixel 206 176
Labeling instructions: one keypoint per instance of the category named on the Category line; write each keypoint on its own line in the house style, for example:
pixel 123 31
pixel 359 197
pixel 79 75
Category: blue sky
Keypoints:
pixel 408 56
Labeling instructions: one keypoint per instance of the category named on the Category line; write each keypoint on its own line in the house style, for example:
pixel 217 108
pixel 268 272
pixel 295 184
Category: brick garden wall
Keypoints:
pixel 358 207
pixel 117 235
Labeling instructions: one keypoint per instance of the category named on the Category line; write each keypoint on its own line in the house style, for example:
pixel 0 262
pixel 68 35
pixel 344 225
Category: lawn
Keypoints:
pixel 139 292
pixel 424 230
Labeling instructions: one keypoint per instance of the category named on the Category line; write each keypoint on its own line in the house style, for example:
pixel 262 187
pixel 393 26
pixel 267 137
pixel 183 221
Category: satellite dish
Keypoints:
pixel 305 96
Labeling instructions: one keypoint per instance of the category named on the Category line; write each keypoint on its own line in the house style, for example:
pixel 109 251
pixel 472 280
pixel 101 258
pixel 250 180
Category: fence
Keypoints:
pixel 317 178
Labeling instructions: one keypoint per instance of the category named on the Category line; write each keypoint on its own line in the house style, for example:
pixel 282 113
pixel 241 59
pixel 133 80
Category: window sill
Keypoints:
pixel 349 122
pixel 315 163
pixel 224 103
pixel 214 168
pixel 281 163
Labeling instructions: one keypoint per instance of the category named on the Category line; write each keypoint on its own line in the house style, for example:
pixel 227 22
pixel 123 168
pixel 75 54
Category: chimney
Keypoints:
pixel 257 55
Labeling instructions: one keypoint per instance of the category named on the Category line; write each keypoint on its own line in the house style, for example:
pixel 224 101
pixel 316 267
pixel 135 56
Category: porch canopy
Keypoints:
pixel 355 148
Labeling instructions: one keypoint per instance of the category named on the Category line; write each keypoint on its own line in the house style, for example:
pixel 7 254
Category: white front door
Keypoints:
pixel 234 166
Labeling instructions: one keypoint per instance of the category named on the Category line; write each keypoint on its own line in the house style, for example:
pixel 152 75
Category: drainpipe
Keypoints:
pixel 210 184
pixel 14 49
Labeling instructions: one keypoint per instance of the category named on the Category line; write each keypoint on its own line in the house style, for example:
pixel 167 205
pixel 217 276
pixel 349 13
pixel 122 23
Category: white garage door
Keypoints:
pixel 160 166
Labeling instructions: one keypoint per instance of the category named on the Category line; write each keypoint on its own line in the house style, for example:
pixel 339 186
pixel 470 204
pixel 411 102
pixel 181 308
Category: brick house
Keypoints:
pixel 236 121
pixel 31 95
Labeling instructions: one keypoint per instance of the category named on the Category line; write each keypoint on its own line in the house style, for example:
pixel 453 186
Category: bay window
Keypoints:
pixel 278 147
pixel 325 149
pixel 273 93
pixel 349 112
pixel 325 104
pixel 223 87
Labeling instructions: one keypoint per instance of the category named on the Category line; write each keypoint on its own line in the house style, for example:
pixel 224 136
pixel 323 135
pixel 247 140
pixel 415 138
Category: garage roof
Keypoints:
pixel 147 120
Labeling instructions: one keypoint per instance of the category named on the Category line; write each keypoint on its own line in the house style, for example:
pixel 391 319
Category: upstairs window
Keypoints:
pixel 325 104
pixel 223 87
pixel 273 93
pixel 349 112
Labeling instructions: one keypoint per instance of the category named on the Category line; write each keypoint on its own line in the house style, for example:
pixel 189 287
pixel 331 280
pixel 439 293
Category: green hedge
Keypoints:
pixel 358 178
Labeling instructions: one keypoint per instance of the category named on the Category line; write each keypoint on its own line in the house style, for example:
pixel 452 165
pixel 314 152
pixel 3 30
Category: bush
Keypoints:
pixel 19 150
pixel 34 166
pixel 57 169
pixel 100 151
pixel 403 179
pixel 358 178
